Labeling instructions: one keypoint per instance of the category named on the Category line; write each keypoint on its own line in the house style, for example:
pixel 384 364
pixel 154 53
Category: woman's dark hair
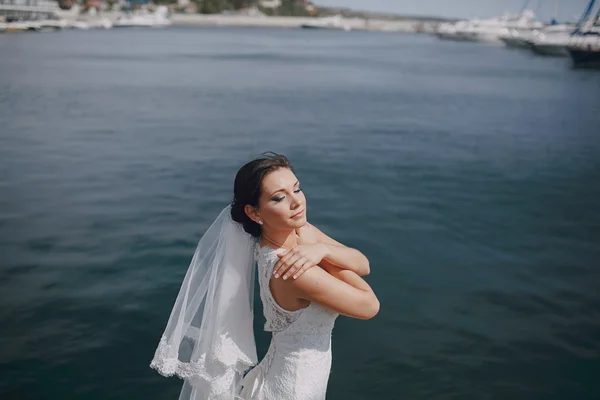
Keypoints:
pixel 247 187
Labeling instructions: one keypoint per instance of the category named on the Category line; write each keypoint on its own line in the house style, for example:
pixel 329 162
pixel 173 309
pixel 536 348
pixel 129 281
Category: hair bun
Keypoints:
pixel 239 215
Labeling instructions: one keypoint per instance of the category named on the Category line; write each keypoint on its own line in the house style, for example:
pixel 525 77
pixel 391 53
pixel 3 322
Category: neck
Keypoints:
pixel 279 239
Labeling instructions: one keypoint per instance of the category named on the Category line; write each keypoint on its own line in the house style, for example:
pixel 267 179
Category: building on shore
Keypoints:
pixel 270 3
pixel 17 10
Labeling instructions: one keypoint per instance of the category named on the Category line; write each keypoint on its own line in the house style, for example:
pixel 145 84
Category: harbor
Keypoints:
pixel 36 14
pixel 578 40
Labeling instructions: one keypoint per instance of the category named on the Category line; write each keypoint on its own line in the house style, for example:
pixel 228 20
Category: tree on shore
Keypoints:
pixel 287 8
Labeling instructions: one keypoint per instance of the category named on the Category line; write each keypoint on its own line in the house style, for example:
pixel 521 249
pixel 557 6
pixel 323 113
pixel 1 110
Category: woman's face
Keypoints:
pixel 282 204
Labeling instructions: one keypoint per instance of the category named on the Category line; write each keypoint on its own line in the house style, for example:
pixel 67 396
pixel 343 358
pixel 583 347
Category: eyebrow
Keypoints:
pixel 297 182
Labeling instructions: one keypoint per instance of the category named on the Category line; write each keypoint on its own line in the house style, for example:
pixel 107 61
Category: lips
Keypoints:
pixel 298 214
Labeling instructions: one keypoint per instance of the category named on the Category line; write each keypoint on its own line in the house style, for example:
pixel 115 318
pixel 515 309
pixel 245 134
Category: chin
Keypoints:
pixel 298 223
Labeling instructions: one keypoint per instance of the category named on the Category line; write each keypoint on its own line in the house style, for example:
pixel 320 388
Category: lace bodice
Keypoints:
pixel 277 317
pixel 298 361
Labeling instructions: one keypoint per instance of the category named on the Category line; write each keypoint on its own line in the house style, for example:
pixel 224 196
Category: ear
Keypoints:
pixel 251 212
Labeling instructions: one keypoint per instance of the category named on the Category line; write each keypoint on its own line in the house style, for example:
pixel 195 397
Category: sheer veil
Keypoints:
pixel 209 338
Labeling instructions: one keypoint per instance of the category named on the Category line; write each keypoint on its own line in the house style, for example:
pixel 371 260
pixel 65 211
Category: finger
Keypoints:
pixel 294 268
pixel 284 264
pixel 285 267
pixel 289 266
pixel 279 268
pixel 280 262
pixel 308 264
pixel 302 270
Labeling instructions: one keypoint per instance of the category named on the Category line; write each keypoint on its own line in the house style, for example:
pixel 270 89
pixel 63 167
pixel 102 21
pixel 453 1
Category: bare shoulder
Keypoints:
pixel 311 285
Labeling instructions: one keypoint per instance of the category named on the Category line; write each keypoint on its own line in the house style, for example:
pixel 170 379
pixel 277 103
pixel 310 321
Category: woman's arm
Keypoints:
pixel 316 248
pixel 339 290
pixel 341 256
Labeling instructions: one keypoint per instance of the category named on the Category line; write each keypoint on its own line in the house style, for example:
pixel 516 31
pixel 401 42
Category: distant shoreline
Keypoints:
pixel 407 25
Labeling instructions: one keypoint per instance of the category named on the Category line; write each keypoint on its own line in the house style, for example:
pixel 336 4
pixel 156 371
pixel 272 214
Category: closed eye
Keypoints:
pixel 280 198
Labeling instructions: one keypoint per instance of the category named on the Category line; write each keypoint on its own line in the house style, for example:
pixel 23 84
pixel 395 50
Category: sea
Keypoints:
pixel 468 174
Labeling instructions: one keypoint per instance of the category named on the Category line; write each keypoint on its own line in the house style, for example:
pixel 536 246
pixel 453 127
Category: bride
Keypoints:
pixel 306 280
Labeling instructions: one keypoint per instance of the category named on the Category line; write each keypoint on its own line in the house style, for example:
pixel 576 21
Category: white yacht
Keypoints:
pixel 491 30
pixel 334 22
pixel 449 30
pixel 38 25
pixel 526 39
pixel 554 42
pixel 90 20
pixel 144 18
pixel 518 39
pixel 19 26
pixel 551 44
pixel 584 48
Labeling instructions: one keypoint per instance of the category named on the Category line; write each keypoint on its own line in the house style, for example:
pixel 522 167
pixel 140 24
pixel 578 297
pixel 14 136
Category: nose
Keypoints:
pixel 296 202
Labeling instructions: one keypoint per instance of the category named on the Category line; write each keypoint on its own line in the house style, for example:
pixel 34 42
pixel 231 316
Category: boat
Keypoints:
pixel 586 55
pixel 144 18
pixel 517 39
pixel 52 23
pixel 552 40
pixel 89 23
pixel 335 22
pixel 79 24
pixel 551 45
pixel 22 26
pixel 91 20
pixel 491 30
pixel 584 48
pixel 528 39
pixel 449 30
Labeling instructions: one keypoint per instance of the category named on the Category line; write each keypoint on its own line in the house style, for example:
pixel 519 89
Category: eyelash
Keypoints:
pixel 278 199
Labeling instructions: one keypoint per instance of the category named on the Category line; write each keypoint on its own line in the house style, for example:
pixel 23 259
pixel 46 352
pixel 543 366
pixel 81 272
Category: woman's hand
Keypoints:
pixel 298 260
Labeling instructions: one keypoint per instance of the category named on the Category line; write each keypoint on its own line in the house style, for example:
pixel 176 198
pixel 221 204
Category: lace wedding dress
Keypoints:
pixel 298 362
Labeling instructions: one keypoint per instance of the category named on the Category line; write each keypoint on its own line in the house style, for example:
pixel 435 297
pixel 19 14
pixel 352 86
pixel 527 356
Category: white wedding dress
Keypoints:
pixel 298 362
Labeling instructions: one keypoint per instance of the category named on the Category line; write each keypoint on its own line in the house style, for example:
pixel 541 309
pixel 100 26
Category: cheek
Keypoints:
pixel 302 198
pixel 275 214
pixel 282 213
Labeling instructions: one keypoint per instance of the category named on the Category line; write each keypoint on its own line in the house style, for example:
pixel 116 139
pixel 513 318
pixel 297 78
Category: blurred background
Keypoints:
pixel 456 143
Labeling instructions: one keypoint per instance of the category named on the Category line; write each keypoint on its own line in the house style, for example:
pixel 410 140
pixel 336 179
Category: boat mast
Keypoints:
pixel 584 17
pixel 525 5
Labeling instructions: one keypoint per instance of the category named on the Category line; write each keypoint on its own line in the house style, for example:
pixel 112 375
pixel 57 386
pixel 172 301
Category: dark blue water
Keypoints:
pixel 469 175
